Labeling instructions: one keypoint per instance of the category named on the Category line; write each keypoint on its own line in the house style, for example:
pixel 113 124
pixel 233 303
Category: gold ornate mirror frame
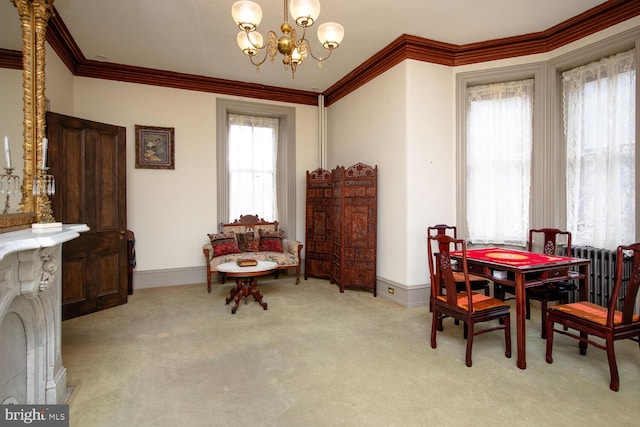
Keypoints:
pixel 34 16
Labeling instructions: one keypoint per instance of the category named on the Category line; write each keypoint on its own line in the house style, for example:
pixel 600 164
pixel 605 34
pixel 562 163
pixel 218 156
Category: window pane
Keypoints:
pixel 252 166
pixel 599 110
pixel 499 141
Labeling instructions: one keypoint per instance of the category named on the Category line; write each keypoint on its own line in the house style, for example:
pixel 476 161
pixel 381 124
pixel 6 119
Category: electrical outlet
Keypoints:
pixel 391 291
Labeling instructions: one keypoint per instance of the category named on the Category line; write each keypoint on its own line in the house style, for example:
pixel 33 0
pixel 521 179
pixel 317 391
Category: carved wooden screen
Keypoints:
pixel 317 262
pixel 355 212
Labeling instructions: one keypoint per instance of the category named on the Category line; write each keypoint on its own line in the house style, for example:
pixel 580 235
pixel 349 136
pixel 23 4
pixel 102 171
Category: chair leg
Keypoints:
pixel 583 343
pixel 498 291
pixel 543 306
pixel 434 328
pixel 549 328
pixel 469 329
pixel 528 309
pixel 613 367
pixel 507 335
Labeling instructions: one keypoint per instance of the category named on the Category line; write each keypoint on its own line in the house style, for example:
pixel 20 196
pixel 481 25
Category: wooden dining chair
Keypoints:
pixel 618 320
pixel 466 306
pixel 554 242
pixel 477 283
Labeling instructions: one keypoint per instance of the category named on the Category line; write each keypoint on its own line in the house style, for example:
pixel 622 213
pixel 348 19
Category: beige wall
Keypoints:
pixel 368 126
pixel 403 121
pixel 171 211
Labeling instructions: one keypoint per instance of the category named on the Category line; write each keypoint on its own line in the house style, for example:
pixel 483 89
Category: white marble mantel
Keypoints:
pixel 31 371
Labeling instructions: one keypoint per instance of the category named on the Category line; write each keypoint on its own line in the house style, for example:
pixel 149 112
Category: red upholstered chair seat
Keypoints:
pixel 480 302
pixel 592 312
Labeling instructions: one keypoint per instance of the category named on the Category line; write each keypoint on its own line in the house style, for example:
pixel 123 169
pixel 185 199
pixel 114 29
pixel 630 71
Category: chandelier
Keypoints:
pixel 248 15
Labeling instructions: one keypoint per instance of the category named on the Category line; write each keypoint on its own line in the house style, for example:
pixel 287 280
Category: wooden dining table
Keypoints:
pixel 522 269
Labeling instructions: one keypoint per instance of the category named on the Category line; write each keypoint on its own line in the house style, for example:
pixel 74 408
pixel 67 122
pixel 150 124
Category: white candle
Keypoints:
pixel 7 152
pixel 45 142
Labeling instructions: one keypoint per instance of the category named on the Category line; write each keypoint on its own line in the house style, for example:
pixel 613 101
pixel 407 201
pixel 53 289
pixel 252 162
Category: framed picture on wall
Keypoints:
pixel 154 147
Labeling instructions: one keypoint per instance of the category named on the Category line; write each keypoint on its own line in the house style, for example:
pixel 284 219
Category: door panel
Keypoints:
pixel 88 160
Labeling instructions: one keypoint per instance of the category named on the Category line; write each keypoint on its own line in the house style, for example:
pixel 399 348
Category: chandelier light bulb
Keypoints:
pixel 304 12
pixel 246 14
pixel 250 43
pixel 297 57
pixel 330 34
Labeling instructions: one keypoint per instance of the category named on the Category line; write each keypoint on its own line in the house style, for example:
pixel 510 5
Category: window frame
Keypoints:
pixel 548 182
pixel 594 52
pixel 285 164
pixel 533 71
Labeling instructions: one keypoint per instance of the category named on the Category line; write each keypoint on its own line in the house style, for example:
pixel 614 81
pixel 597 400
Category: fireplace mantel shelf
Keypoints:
pixel 21 240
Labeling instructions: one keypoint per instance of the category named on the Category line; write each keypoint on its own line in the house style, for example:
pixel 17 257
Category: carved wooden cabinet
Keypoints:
pixel 354 229
pixel 317 262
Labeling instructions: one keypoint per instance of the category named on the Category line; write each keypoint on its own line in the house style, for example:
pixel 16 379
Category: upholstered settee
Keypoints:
pixel 250 237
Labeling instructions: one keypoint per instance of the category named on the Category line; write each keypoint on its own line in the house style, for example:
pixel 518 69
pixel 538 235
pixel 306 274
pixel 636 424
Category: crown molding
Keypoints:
pixel 411 47
pixel 10 59
pixel 404 47
pixel 148 76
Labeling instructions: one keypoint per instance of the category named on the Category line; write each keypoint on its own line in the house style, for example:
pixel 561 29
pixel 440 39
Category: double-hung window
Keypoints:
pixel 256 162
pixel 253 148
pixel 499 137
pixel 599 123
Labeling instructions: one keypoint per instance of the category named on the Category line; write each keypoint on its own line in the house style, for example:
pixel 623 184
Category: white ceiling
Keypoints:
pixel 199 36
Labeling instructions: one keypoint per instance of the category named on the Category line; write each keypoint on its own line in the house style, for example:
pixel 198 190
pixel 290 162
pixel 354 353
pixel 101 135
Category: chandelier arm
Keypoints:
pixel 319 58
pixel 264 58
pixel 259 63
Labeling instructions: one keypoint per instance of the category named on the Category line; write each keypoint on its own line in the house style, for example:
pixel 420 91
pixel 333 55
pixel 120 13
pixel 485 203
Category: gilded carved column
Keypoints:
pixel 34 16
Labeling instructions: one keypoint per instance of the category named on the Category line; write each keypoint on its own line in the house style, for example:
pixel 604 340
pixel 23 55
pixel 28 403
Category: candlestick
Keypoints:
pixel 9 185
pixel 7 152
pixel 45 142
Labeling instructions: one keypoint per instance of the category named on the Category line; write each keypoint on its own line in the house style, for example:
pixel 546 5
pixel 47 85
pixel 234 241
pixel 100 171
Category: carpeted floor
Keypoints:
pixel 175 356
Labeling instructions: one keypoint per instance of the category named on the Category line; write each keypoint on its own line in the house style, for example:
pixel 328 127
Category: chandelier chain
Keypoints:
pixel 286 12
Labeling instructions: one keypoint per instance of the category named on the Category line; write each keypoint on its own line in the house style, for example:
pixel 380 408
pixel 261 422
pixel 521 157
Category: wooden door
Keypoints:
pixel 88 161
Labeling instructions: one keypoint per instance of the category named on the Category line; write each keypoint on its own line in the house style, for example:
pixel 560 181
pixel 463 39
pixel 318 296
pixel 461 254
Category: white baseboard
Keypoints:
pixel 169 277
pixel 406 296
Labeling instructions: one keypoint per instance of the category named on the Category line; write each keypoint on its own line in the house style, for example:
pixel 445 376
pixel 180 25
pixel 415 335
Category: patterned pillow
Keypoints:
pixel 224 243
pixel 246 241
pixel 271 240
pixel 253 245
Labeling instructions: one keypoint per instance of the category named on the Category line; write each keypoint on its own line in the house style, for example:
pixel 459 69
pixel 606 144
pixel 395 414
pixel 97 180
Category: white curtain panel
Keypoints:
pixel 253 143
pixel 599 121
pixel 499 141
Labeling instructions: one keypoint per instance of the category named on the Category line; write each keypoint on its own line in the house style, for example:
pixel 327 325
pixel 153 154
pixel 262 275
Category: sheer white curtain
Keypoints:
pixel 253 143
pixel 499 139
pixel 599 119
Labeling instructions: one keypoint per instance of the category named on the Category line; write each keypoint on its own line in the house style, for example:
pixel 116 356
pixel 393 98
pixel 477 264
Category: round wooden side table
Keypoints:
pixel 246 280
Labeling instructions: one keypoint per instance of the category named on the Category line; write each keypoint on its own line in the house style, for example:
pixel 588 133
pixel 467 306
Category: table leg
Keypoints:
pixel 257 294
pixel 246 287
pixel 521 333
pixel 242 291
pixel 233 292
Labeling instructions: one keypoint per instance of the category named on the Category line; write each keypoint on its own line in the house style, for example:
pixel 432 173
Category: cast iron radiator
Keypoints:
pixel 602 273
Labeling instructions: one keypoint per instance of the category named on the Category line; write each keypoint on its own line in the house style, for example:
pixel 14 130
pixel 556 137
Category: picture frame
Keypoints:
pixel 155 148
